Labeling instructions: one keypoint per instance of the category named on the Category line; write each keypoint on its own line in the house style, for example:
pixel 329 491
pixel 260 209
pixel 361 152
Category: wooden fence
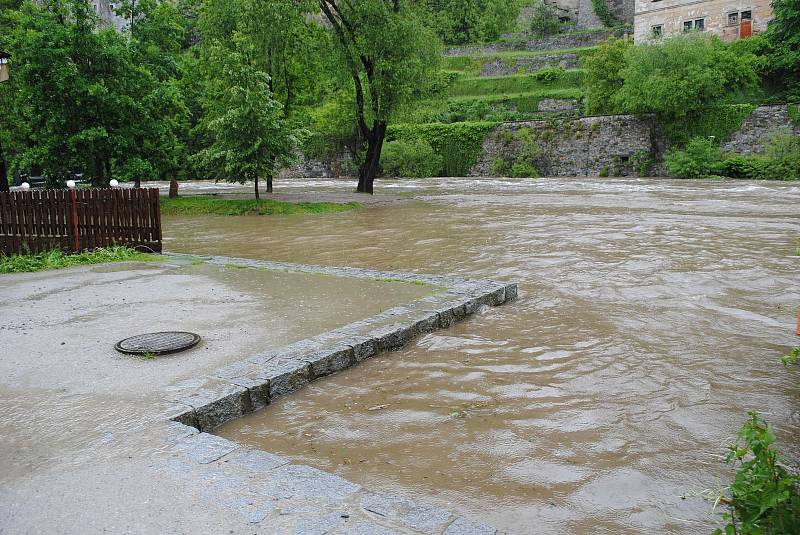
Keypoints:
pixel 79 220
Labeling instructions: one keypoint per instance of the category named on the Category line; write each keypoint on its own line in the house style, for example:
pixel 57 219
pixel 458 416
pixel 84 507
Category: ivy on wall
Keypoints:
pixel 458 144
pixel 604 14
pixel 718 122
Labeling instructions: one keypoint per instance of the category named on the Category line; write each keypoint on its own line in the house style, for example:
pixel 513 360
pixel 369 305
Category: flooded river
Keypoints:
pixel 652 317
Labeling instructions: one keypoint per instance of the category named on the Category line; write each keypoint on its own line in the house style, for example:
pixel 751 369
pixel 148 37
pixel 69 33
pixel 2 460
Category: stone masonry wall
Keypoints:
pixel 527 64
pixel 759 127
pixel 554 42
pixel 589 146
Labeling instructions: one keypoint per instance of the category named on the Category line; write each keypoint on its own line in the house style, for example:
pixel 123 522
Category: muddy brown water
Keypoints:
pixel 651 319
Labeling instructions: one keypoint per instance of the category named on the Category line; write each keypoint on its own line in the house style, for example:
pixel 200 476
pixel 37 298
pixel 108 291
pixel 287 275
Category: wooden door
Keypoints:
pixel 746 29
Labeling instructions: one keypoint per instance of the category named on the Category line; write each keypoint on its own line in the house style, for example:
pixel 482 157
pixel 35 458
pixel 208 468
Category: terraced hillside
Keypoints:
pixel 505 85
pixel 482 86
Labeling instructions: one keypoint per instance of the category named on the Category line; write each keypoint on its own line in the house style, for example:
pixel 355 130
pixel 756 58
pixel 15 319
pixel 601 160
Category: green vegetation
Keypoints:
pixel 473 65
pixel 794 113
pixel 212 206
pixel 458 144
pixel 702 158
pixel 470 21
pixel 600 8
pixel 791 358
pixel 57 260
pixel 764 498
pixel 544 79
pixel 545 20
pixel 412 158
pixel 518 154
pixel 717 122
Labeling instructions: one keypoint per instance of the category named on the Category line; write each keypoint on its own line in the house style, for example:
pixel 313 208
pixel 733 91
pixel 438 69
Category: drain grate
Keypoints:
pixel 157 343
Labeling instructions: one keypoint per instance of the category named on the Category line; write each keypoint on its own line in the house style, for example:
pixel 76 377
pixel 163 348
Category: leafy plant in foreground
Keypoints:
pixel 764 498
pixel 791 358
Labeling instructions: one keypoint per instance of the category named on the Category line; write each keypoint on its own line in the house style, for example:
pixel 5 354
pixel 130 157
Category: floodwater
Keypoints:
pixel 652 317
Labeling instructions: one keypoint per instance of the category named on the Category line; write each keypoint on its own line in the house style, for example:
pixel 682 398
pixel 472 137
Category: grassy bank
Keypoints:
pixel 59 260
pixel 212 206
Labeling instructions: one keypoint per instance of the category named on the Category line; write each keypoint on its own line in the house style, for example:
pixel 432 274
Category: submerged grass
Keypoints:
pixel 212 206
pixel 58 260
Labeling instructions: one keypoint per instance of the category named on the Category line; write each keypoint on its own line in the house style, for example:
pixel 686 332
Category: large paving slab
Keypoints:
pixel 91 441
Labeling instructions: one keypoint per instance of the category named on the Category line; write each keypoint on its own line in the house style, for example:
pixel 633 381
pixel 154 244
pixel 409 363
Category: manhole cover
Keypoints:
pixel 157 343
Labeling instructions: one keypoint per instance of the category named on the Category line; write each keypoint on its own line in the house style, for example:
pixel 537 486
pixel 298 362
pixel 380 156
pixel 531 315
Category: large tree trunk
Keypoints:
pixel 372 161
pixel 258 195
pixel 269 184
pixel 97 176
pixel 173 188
pixel 3 171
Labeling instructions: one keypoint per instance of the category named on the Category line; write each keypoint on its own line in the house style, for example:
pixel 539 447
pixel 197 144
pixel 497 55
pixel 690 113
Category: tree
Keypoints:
pixel 783 36
pixel 10 127
pixel 389 54
pixel 682 75
pixel 467 21
pixel 249 135
pixel 604 76
pixel 91 102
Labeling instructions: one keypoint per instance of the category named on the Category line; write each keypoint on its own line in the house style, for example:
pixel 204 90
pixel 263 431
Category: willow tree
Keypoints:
pixel 390 54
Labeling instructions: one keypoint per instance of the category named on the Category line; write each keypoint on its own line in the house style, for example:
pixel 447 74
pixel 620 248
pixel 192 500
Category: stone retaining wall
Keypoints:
pixel 589 146
pixel 526 42
pixel 527 64
pixel 756 131
pixel 254 481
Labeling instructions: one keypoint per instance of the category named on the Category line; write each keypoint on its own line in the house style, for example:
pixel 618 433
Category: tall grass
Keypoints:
pixel 57 260
pixel 212 206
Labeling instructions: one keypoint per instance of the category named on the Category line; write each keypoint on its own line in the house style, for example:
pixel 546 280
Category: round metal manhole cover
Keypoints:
pixel 157 343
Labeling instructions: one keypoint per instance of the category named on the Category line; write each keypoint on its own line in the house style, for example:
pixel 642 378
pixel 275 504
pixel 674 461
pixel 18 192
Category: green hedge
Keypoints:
pixel 719 122
pixel 458 144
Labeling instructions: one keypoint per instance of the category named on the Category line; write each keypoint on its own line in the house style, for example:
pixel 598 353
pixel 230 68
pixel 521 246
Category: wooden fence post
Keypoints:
pixel 74 198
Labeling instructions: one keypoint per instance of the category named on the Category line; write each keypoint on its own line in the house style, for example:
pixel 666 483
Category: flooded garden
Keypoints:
pixel 651 318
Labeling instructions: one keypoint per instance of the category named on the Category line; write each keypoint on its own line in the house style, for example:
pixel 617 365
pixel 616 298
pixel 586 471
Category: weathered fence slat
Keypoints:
pixel 78 220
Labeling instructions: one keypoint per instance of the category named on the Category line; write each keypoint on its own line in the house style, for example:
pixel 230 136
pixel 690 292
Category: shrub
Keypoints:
pixel 604 75
pixel 545 19
pixel 414 158
pixel 700 159
pixel 678 77
pixel 518 154
pixel 764 497
pixel 784 150
pixel 458 144
pixel 550 74
pixel 781 161
pixel 642 161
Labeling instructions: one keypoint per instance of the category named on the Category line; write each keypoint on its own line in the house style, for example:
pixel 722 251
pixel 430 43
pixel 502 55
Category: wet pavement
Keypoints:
pixel 652 317
pixel 85 442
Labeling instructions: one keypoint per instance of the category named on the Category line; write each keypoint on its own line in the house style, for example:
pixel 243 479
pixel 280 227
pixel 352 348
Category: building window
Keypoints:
pixel 747 15
pixel 733 19
pixel 658 30
pixel 700 24
pixel 687 26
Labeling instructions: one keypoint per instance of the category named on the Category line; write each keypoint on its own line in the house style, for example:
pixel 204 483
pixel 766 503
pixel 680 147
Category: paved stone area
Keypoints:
pixel 80 456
